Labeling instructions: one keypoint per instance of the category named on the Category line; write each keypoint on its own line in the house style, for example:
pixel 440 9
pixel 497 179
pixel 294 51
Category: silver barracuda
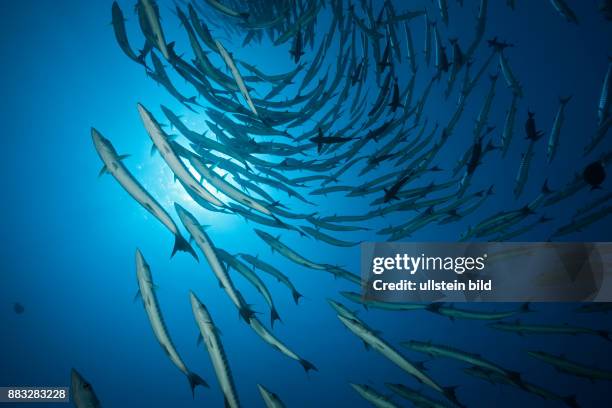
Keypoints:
pixel 212 340
pixel 113 164
pixel 270 399
pixel 203 241
pixel 146 292
pixel 160 140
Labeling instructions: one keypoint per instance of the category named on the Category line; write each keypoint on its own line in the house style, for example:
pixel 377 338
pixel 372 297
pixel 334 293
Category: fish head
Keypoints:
pixel 199 310
pixel 104 146
pixel 82 391
pixel 142 267
pixel 186 217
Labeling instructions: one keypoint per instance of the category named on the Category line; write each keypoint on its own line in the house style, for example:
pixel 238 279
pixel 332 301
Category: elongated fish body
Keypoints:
pixel 371 339
pixel 83 394
pixel 579 224
pixel 564 10
pixel 269 338
pixel 147 293
pixel 418 399
pixel 120 33
pixel 150 14
pixel 427 48
pixel 523 171
pixel 376 304
pixel 483 115
pixel 441 60
pixel 596 203
pixel 342 310
pixel 603 111
pixel 521 329
pixel 251 276
pixel 600 307
pixel 161 77
pixel 302 21
pixel 509 76
pixel 200 57
pixel 206 246
pixel 410 48
pixel 569 367
pixel 435 350
pixel 287 252
pixel 237 77
pixel 222 8
pixel 160 140
pixel 113 165
pixel 372 396
pixel 443 7
pixel 553 139
pixel 508 131
pixel 212 340
pixel 270 399
pixel 600 135
pixel 520 231
pixel 455 313
pixel 271 270
pixel 497 378
pixel 200 27
pixel 226 188
pixel 251 216
pixel 328 238
pixel 314 65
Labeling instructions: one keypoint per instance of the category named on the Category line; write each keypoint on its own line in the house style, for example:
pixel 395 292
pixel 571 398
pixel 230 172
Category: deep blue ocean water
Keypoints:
pixel 68 238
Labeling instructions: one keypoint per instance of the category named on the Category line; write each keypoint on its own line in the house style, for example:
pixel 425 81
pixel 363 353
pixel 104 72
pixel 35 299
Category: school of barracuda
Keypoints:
pixel 245 163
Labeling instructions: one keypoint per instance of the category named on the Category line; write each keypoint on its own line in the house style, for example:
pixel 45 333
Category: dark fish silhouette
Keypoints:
pixel 391 193
pixel 530 127
pixel 498 45
pixel 395 100
pixel 321 140
pixel 594 175
pixel 18 308
pixel 297 50
pixel 475 156
pixel 384 61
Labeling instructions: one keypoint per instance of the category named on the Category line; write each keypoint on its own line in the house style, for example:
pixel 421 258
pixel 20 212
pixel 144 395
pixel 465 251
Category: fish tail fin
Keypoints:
pixel 605 334
pixel 451 395
pixel 194 381
pixel 545 189
pixel 433 307
pixel 193 99
pixel 515 377
pixel 525 308
pixel 246 313
pixel 274 316
pixel 564 101
pixel 296 296
pixel 181 244
pixel 526 210
pixel 571 401
pixel 170 47
pixel 307 365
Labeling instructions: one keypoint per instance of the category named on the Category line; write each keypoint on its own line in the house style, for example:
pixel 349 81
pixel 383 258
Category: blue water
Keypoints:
pixel 68 238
